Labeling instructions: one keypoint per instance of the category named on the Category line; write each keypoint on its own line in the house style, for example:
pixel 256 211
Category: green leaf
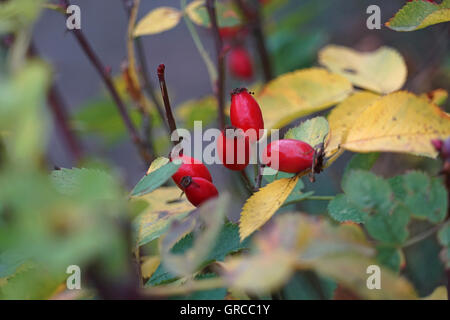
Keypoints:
pixel 227 242
pixel 212 294
pixel 342 210
pixel 417 15
pixel 100 117
pixel 309 286
pixel 390 257
pixel 362 161
pixel 10 261
pixel 312 131
pixel 425 197
pixel 155 179
pixel 389 228
pixel 367 191
pixel 84 182
pixel 444 235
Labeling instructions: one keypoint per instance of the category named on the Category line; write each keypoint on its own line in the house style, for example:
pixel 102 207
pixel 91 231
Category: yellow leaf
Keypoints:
pixel 382 71
pixel 157 163
pixel 158 20
pixel 342 117
pixel 259 273
pixel 261 206
pixel 440 293
pixel 399 122
pixel 164 206
pixel 149 266
pixel 351 271
pixel 300 93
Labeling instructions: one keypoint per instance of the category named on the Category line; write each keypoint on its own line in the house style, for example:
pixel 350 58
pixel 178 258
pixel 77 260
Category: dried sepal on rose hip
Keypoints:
pixel 234 148
pixel 190 167
pixel 246 114
pixel 289 155
pixel 198 190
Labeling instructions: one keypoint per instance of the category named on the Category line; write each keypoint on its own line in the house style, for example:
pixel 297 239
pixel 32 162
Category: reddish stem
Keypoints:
pixel 165 95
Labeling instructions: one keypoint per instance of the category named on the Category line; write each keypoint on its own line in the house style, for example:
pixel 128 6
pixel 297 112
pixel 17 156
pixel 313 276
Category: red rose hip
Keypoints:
pixel 198 190
pixel 246 114
pixel 240 63
pixel 233 148
pixel 288 155
pixel 190 167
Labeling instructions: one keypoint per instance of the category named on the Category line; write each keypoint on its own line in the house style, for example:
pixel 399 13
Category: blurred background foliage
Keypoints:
pixel 50 219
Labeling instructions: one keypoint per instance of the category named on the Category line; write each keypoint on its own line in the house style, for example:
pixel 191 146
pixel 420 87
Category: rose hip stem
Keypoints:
pixel 165 95
pixel 220 84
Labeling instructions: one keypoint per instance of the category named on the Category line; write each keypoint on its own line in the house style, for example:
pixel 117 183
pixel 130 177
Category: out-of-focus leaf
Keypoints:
pixel 204 110
pixel 419 14
pixel 100 117
pixel 75 180
pixel 148 267
pixel 210 218
pixel 158 20
pixel 300 93
pixel 398 122
pixel 18 14
pixel 382 71
pixel 155 178
pixel 389 257
pixel 227 242
pixel 440 293
pixel 212 294
pixel 312 131
pixel 444 240
pixel 309 286
pixel 227 15
pixel 262 205
pixel 342 117
pixel 164 205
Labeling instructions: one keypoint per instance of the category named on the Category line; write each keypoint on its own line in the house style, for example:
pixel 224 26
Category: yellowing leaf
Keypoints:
pixel 382 71
pixel 148 267
pixel 259 273
pixel 300 93
pixel 440 293
pixel 164 206
pixel 351 271
pixel 419 14
pixel 158 20
pixel 312 131
pixel 157 163
pixel 342 117
pixel 261 206
pixel 399 122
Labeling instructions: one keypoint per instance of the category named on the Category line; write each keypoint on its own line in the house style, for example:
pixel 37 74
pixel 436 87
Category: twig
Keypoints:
pixel 148 85
pixel 165 96
pixel 253 16
pixel 422 235
pixel 83 42
pixel 258 179
pixel 220 83
pixel 59 110
pixel 247 182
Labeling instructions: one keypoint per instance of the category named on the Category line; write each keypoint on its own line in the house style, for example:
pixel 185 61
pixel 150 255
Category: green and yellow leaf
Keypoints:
pixel 158 20
pixel 313 131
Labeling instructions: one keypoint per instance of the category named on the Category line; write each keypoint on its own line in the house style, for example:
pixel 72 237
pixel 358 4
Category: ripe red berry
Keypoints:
pixel 198 190
pixel 288 155
pixel 190 167
pixel 229 32
pixel 234 149
pixel 240 63
pixel 246 114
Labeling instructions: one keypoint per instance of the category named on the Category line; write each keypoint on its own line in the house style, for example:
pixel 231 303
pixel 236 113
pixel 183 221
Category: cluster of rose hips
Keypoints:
pixel 286 155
